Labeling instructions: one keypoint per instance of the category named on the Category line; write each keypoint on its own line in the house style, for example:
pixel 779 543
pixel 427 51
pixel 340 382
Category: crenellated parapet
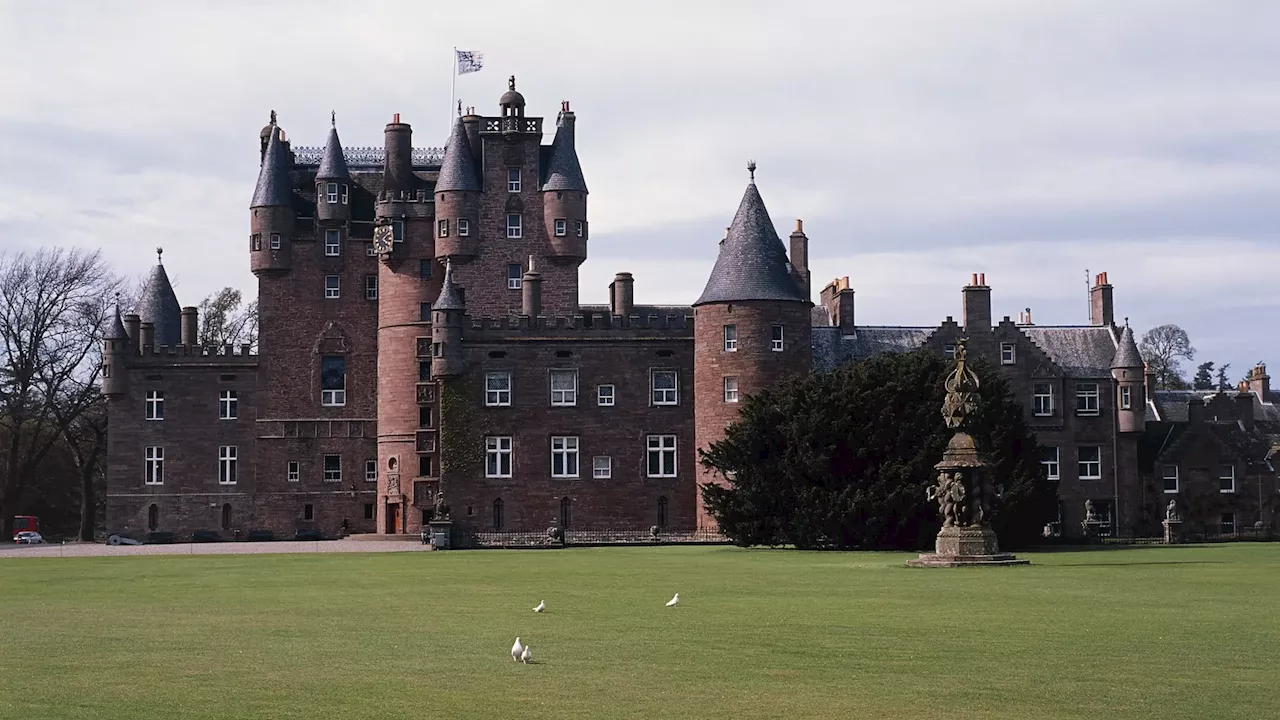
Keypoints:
pixel 193 354
pixel 587 325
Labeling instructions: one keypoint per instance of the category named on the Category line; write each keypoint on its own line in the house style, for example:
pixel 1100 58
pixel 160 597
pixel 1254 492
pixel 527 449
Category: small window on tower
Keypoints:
pixel 444 228
pixel 560 227
pixel 513 180
pixel 777 344
pixel 513 277
pixel 344 193
pixel 255 241
pixel 578 228
pixel 397 231
pixel 369 250
pixel 424 269
pixel 424 312
pixel 275 241
pixel 331 189
pixel 464 227
pixel 424 371
pixel 514 227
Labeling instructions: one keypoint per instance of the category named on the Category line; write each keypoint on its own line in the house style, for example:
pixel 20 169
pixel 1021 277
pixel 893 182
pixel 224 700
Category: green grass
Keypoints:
pixel 1161 633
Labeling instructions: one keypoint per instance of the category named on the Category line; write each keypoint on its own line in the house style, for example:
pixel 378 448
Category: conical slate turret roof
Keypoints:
pixel 458 169
pixel 333 166
pixel 752 264
pixel 1127 355
pixel 115 327
pixel 275 187
pixel 159 306
pixel 563 170
pixel 450 298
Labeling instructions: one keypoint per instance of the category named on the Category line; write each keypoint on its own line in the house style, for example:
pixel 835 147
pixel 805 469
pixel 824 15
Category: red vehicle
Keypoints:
pixel 25 522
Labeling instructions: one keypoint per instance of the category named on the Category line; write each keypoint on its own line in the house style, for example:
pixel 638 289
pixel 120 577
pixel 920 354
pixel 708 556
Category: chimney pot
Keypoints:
pixel 799 225
pixel 395 118
pixel 974 280
pixel 982 278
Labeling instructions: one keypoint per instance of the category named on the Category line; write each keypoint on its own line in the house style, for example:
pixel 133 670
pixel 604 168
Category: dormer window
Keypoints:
pixel 513 180
pixel 561 228
pixel 331 189
pixel 464 227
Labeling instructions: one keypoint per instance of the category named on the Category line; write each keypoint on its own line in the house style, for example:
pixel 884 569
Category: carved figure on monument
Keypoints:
pixel 1171 512
pixel 1089 514
pixel 441 507
pixel 955 507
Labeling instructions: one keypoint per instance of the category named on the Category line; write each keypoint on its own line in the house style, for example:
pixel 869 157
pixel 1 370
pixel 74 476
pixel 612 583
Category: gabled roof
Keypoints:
pixel 831 347
pixel 333 165
pixel 752 264
pixel 449 298
pixel 1127 355
pixel 159 306
pixel 563 170
pixel 275 186
pixel 1082 351
pixel 458 170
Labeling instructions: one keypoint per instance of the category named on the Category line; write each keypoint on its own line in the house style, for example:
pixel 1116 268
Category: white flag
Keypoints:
pixel 469 62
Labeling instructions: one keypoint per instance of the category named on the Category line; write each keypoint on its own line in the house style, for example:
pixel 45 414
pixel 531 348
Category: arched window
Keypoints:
pixel 153 517
pixel 226 516
pixel 497 514
pixel 566 513
pixel 662 511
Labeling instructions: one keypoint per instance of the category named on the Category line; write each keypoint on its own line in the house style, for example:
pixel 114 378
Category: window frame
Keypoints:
pixel 515 282
pixel 228 464
pixel 777 338
pixel 370 250
pixel 328 474
pixel 1039 409
pixel 579 228
pixel 371 470
pixel 515 226
pixel 606 399
pixel 731 388
pixel 1227 477
pixel 494 397
pixel 331 193
pixel 397 231
pixel 1084 395
pixel 568 396
pixel 464 227
pixel 332 242
pixel 657 444
pixel 949 351
pixel 669 396
pixel 496 453
pixel 1052 467
pixel 442 226
pixel 514 180
pixel 332 287
pixel 1008 353
pixel 370 288
pixel 1126 397
pixel 154 406
pixel 730 335
pixel 333 396
pixel 293 471
pixel 228 405
pixel 276 241
pixel 1081 463
pixel 599 473
pixel 561 227
pixel 1165 477
pixel 153 465
pixel 1222 523
pixel 568 453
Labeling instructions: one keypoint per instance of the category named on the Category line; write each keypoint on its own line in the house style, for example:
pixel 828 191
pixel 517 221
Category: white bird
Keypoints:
pixel 541 606
pixel 517 650
pixel 674 601
pixel 526 656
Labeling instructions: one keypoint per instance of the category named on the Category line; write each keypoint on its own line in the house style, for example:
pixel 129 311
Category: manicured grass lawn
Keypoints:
pixel 1161 633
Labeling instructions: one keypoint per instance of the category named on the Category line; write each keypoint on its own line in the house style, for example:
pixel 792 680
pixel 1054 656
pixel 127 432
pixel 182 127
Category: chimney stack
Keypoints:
pixel 1260 382
pixel 148 337
pixel 531 291
pixel 976 305
pixel 190 326
pixel 397 169
pixel 132 323
pixel 1149 376
pixel 1101 305
pixel 622 295
pixel 837 298
pixel 800 258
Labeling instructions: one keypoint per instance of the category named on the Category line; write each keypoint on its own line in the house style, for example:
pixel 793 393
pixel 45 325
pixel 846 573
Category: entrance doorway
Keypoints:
pixel 393 518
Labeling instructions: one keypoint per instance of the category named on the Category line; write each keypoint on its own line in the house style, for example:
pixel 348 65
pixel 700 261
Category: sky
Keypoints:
pixel 920 141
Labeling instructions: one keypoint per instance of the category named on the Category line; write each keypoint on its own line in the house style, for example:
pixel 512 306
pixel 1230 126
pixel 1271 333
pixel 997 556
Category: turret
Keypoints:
pixel 446 328
pixel 271 213
pixel 333 182
pixel 512 105
pixel 752 325
pixel 1127 369
pixel 158 307
pixel 115 351
pixel 458 199
pixel 564 195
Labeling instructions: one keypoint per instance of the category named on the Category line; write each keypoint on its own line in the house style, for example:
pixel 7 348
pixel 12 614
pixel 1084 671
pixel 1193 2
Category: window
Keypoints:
pixel 344 194
pixel 308 512
pixel 602 467
pixel 1006 354
pixel 464 227
pixel 514 226
pixel 424 269
pixel 424 312
pixel 564 456
pixel 226 516
pixel 1226 478
pixel 497 457
pixel 513 179
pixel 1049 461
pixel 331 287
pixel 513 277
pixel 331 190
pixel 295 473
pixel 155 405
pixel 227 465
pixel 564 387
pixel 949 350
pixel 444 228
pixel 371 471
pixel 153 473
pixel 332 243
pixel 1042 399
pixel 333 380
pixel 566 512
pixel 255 241
pixel 664 384
pixel 662 511
pixel 577 227
pixel 605 396
pixel 497 389
pixel 153 517
pixel 228 405
pixel 497 514
pixel 397 231
pixel 1126 398
pixel 369 250
pixel 368 511
pixel 424 370
pixel 275 241
pixel 424 416
pixel 731 389
pixel 1169 474
pixel 1228 523
pixel 730 338
pixel 561 227
pixel 1089 462
pixel 333 468
pixel 662 456
pixel 1086 398
pixel 370 287
pixel 424 466
pixel 776 342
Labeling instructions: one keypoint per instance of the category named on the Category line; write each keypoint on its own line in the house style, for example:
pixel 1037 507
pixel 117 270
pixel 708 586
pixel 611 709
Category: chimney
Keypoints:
pixel 976 304
pixel 397 169
pixel 531 291
pixel 1260 382
pixel 1149 376
pixel 837 298
pixel 800 258
pixel 622 295
pixel 190 326
pixel 131 326
pixel 148 336
pixel 471 123
pixel 1101 307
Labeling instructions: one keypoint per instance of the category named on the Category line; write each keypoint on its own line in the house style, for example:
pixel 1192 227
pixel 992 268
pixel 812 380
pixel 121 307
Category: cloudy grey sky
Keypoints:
pixel 919 140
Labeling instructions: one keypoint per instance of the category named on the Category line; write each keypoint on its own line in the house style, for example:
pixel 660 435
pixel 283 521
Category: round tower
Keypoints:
pixel 115 351
pixel 446 328
pixel 271 213
pixel 564 195
pixel 1128 370
pixel 333 182
pixel 751 327
pixel 457 195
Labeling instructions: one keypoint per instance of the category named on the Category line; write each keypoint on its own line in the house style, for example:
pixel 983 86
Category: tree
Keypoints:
pixel 843 459
pixel 53 307
pixel 1204 377
pixel 224 320
pixel 1162 348
pixel 1223 382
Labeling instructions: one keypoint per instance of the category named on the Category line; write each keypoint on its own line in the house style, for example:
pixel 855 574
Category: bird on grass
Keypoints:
pixel 517 650
pixel 541 606
pixel 527 656
pixel 674 601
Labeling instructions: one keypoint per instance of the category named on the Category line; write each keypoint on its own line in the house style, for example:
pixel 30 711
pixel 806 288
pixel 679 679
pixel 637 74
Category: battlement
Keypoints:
pixel 585 325
pixel 221 355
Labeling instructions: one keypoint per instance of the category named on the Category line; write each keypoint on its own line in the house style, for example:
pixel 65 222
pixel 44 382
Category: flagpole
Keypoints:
pixel 453 90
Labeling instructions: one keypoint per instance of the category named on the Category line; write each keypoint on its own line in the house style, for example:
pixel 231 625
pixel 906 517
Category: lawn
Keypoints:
pixel 1161 633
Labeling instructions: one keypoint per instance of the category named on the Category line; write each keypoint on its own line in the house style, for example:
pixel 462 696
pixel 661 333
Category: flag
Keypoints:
pixel 468 61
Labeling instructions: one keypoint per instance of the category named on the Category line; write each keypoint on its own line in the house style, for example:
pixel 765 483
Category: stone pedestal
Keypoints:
pixel 974 546
pixel 1172 532
pixel 1092 529
pixel 441 533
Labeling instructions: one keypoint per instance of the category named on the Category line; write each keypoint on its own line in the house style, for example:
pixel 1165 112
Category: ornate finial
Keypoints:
pixel 962 392
pixel 160 255
pixel 1126 322
pixel 333 118
pixel 459 108
pixel 751 168
pixel 273 117
pixel 511 83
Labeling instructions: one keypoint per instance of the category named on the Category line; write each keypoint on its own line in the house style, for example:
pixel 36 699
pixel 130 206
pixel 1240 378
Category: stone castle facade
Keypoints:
pixel 420 334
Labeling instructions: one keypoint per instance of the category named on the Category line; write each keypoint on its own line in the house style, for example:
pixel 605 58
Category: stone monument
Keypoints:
pixel 964 492
pixel 1092 524
pixel 1172 523
pixel 440 523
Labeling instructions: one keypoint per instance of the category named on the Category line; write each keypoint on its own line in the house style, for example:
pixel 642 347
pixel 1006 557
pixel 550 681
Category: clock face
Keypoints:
pixel 383 237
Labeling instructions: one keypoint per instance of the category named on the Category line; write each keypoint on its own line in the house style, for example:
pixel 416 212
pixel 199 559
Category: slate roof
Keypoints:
pixel 1082 351
pixel 831 348
pixel 1172 404
pixel 275 186
pixel 333 166
pixel 115 328
pixel 458 170
pixel 1127 355
pixel 752 264
pixel 819 316
pixel 159 306
pixel 563 170
pixel 449 298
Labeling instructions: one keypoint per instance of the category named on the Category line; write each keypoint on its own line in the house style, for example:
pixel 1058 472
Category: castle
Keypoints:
pixel 421 335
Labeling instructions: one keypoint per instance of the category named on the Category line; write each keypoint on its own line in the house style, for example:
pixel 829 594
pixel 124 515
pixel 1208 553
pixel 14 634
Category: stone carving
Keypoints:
pixel 1090 515
pixel 441 510
pixel 393 485
pixel 962 393
pixel 1171 511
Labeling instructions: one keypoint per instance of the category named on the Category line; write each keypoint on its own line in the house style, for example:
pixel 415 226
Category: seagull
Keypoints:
pixel 674 601
pixel 517 650
pixel 541 606
pixel 526 656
